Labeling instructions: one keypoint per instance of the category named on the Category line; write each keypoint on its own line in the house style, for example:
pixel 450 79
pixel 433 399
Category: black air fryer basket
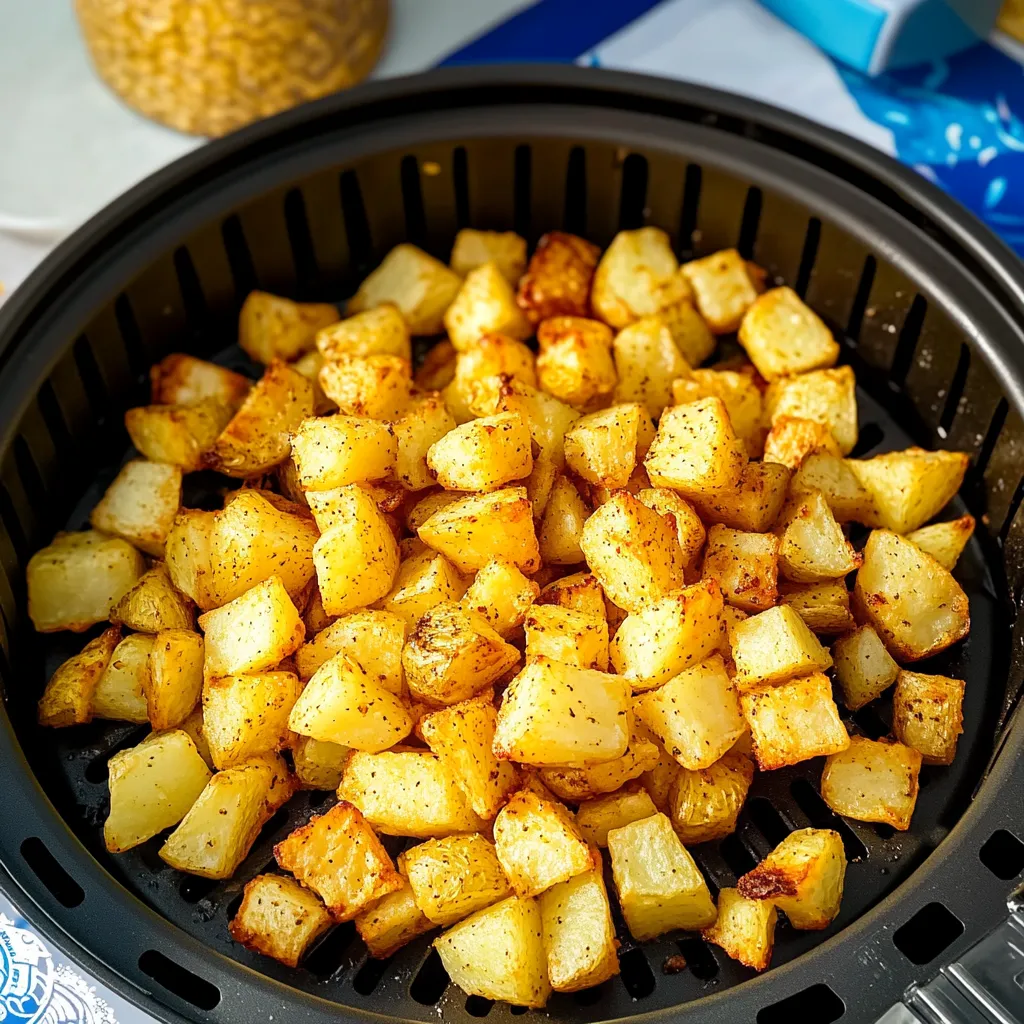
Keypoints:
pixel 931 309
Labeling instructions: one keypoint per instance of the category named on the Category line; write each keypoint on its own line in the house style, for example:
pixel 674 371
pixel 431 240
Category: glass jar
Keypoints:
pixel 210 66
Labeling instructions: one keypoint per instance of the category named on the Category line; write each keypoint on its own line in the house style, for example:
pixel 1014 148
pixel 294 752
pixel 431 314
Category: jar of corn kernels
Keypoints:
pixel 210 66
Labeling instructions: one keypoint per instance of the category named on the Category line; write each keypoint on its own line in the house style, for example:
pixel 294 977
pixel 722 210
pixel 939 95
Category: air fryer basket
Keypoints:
pixel 930 306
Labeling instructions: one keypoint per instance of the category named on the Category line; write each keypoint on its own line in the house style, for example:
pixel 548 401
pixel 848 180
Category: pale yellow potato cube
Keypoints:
pixel 373 639
pixel 140 505
pixel 705 803
pixel 741 396
pixel 745 929
pixel 379 387
pixel 690 332
pixel 754 504
pixel 945 542
pixel 825 396
pixel 179 435
pixel 174 684
pixel 426 421
pixel 279 918
pixel 825 607
pixel 604 448
pixel 792 439
pixel 558 278
pixel 424 581
pixel 927 714
pixel 332 451
pixel 377 332
pixel 745 566
pixel 153 604
pixel 502 595
pixel 647 361
pixel 774 646
pixel 577 784
pixel 783 336
pixel 68 697
pixel 120 694
pixel 392 922
pixel 580 591
pixel 722 288
pixel 561 525
pixel 873 780
pixel 484 304
pixel 567 636
pixel 833 477
pixel 484 454
pixel 575 361
pixel 505 249
pixel 597 816
pixel 318 765
pixel 658 781
pixel 180 379
pixel 549 418
pixel 813 546
pixel 193 725
pixel 271 327
pixel 481 371
pixel 864 668
pixel 690 530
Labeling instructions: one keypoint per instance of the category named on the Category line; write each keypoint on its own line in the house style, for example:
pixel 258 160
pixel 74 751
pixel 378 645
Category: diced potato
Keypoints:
pixel 704 804
pixel 380 331
pixel 658 781
pixel 318 765
pixel 774 646
pixel 722 288
pixel 556 715
pixel 825 396
pixel 472 530
pixel 180 379
pixel 753 504
pixel 153 604
pixel 271 327
pixel 356 559
pixel 633 551
pixel 604 447
pixel 660 887
pixel 392 922
pixel 911 486
pixel 480 371
pixel 452 654
pixel 484 454
pixel 175 680
pixel 668 636
pixel 74 582
pixel 741 396
pixel 332 451
pixel 179 435
pixel 140 505
pixel 579 935
pixel 802 876
pixel 915 605
pixel 696 715
pixel 561 525
pixel 420 286
pixel 408 793
pixel 193 726
pixel 152 786
pixel 462 736
pixel 120 694
pixel 945 542
pixel 505 249
pixel 426 421
pixel 834 478
pixel 873 781
pixel 696 449
pixel 575 361
pixel 379 387
pixel 342 704
pixel 792 439
pixel 689 331
pixel 813 546
pixel 599 815
pixel 580 591
pixel 557 280
pixel 68 697
pixel 793 721
pixel 244 716
pixel 576 784
pixel 927 714
pixel 745 929
pixel 216 835
pixel 730 616
pixel 485 303
pixel 825 607
pixel 279 918
pixel 549 418
pixel 339 857
pixel 424 581
pixel 373 639
pixel 310 366
pixel 783 336
pixel 689 527
pixel 647 361
pixel 567 636
pixel 437 370
pixel 745 566
pixel 313 615
pixel 864 668
pixel 259 434
pixel 498 953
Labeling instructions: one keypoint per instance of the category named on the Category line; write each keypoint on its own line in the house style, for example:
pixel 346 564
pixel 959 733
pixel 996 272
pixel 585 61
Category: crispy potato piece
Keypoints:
pixel 342 704
pixel 660 887
pixel 722 287
pixel 741 396
pixel 945 542
pixel 67 699
pixel 437 370
pixel 332 451
pixel 554 715
pixel 579 935
pixel 558 278
pixel 730 616
pixel 426 422
pixel 484 454
pixel 567 636
pixel 179 435
pixel 915 605
pixel 873 781
pixel 339 857
pixel 745 566
pixel 745 929
pixel 575 361
pixel 373 639
pixel 152 786
pixel 479 370
pixel 774 646
pixel 380 331
pixel 140 505
pixel 638 276
pixel 647 361
pixel 244 716
pixel 313 615
pixel 864 668
pixel 174 684
pixel 153 604
pixel 658 780
pixel 580 591
pixel 792 439
pixel 549 418
pixel 704 804
pixel 271 327
pixel 392 922
pixel 783 336
pixel 77 580
pixel 927 714
pixel 484 304
pixel 753 504
pixel 218 831
pixel 408 793
pixel 180 379
pixel 420 286
pixel 279 918
pixel 318 765
pixel 793 721
pixel 689 528
pixel 424 581
pixel 604 447
pixel 802 876
pixel 911 486
pixel 689 331
pixel 825 396
pixel 833 478
pixel 379 387
pixel 120 694
pixel 561 525
pixel 813 546
pixel 597 816
pixel 479 527
pixel 502 595
pixel 576 784
pixel 825 607
pixel 505 249
pixel 498 953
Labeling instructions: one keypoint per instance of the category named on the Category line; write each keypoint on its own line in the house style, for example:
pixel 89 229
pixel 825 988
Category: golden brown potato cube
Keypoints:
pixel 498 953
pixel 339 857
pixel 342 704
pixel 825 607
pixel 864 668
pixel 484 454
pixel 557 280
pixel 424 581
pixel 576 784
pixel 437 370
pixel 420 286
pixel 140 505
pixel 690 530
pixel 927 714
pixel 783 336
pixel 658 780
pixel 561 526
pixel 175 681
pixel 279 918
pixel 696 449
pixel 813 546
pixel 915 605
pixel 604 447
pixel 373 639
pixel 580 591
pixel 216 835
pixel 825 396
pixel 722 287
pixel 179 435
pixel 579 935
pixel 689 331
pixel 745 566
pixel 638 276
pixel 575 361
pixel 484 304
pixel 152 786
pixel 695 715
pixel 873 781
pixel 380 331
pixel 911 486
pixel 462 736
pixel 502 595
pixel 793 721
pixel 193 726
pixel 802 876
pixel 318 765
pixel 833 477
pixel 479 527
pixel 660 888
pixel 75 581
pixel 705 803
pixel 549 418
pixel 332 451
pixel 505 249
pixel 427 421
pixel 745 929
pixel 774 646
pixel 555 714
pixel 271 327
pixel 67 699
pixel 492 356
pixel 310 366
pixel 153 604
pixel 741 396
pixel 945 542
pixel 647 361
pixel 244 716
pixel 120 694
pixel 633 551
pixel 670 635
pixel 180 379
pixel 567 636
pixel 452 653
pixel 753 504
pixel 792 439
pixel 392 922
pixel 408 793
pixel 597 816
pixel 378 387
